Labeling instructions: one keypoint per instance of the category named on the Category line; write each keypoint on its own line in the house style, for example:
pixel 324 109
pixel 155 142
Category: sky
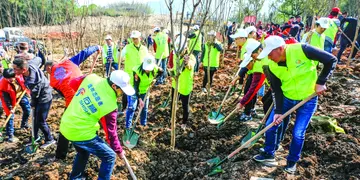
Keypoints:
pixel 158 6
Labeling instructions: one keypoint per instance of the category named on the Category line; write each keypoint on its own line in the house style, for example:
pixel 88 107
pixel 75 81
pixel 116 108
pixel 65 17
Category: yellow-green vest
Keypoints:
pixel 214 56
pixel 93 100
pixel 299 77
pixel 133 57
pixel 114 53
pixel 162 46
pixel 145 80
pixel 316 40
pixel 196 44
pixel 186 78
pixel 331 31
pixel 5 64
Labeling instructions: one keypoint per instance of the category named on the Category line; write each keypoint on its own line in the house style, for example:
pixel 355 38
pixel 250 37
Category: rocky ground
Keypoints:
pixel 325 155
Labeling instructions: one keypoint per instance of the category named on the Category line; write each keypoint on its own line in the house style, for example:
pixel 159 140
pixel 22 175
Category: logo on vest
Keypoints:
pixel 299 63
pixel 80 91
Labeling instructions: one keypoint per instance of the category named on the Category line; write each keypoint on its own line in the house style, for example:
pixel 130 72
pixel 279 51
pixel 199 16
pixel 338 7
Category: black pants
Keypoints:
pixel 267 100
pixel 185 100
pixel 41 114
pixel 62 147
pixel 251 104
pixel 205 80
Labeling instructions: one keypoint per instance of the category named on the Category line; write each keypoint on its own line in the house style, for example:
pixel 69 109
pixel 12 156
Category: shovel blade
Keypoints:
pixel 215 169
pixel 130 139
pixel 247 137
pixel 215 117
pixel 31 149
pixel 213 161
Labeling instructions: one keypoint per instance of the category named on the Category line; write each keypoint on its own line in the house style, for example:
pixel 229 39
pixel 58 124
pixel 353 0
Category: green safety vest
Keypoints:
pixel 243 51
pixel 186 78
pixel 129 40
pixel 5 64
pixel 162 46
pixel 114 51
pixel 133 57
pixel 145 80
pixel 331 31
pixel 214 56
pixel 316 40
pixel 93 100
pixel 196 44
pixel 299 77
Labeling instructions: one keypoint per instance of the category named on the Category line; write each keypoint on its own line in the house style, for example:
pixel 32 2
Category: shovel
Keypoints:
pixel 251 134
pixel 215 117
pixel 166 102
pixel 34 146
pixel 216 162
pixel 227 117
pixel 129 168
pixel 8 118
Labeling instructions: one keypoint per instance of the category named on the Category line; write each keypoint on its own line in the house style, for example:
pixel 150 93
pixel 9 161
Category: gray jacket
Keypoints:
pixel 41 92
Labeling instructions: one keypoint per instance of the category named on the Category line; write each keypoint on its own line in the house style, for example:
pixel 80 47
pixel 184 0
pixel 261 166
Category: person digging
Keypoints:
pixel 11 88
pixel 143 76
pixel 316 37
pixel 41 96
pixel 254 81
pixel 161 48
pixel 134 53
pixel 212 51
pixel 95 100
pixel 293 79
pixel 110 55
pixel 60 76
pixel 186 78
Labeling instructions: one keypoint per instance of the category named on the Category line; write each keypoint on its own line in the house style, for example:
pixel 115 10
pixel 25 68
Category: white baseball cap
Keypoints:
pixel 177 42
pixel 135 34
pixel 108 37
pixel 250 47
pixel 149 63
pixel 250 29
pixel 212 33
pixel 156 29
pixel 239 33
pixel 122 79
pixel 271 43
pixel 324 22
pixel 196 27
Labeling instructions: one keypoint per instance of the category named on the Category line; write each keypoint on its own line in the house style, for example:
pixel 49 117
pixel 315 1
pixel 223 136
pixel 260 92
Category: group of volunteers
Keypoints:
pixel 271 59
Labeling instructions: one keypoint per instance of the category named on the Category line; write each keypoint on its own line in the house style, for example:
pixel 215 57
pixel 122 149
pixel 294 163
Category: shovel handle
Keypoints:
pixel 267 113
pixel 271 125
pixel 93 64
pixel 226 95
pixel 232 113
pixel 129 168
pixel 17 103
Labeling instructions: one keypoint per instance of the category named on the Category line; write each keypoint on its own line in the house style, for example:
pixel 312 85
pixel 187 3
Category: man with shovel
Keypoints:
pixel 11 87
pixel 110 55
pixel 293 79
pixel 94 101
pixel 41 96
pixel 60 76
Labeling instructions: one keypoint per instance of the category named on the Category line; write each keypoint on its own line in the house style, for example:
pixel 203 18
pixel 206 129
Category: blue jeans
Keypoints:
pixel 261 91
pixel 196 54
pixel 107 66
pixel 100 149
pixel 303 117
pixel 25 106
pixel 328 45
pixel 163 66
pixel 132 104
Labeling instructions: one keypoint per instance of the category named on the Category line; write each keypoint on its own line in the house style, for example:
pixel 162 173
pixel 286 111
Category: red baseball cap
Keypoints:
pixel 336 9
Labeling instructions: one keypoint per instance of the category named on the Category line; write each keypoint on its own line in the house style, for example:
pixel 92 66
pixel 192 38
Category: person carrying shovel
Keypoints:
pixel 134 53
pixel 60 76
pixel 212 51
pixel 11 88
pixel 143 75
pixel 95 100
pixel 110 57
pixel 255 80
pixel 293 79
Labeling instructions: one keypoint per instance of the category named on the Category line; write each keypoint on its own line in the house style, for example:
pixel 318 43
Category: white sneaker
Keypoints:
pixel 204 90
pixel 47 144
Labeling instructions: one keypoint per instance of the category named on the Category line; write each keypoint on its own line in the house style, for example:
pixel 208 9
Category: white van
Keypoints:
pixel 13 34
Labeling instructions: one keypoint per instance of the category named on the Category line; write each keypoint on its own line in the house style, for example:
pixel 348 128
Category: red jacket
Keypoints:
pixel 60 76
pixel 7 87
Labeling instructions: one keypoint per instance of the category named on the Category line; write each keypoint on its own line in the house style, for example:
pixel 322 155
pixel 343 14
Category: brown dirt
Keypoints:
pixel 325 156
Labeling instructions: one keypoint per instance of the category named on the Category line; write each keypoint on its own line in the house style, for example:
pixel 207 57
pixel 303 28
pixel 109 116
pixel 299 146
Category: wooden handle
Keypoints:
pixel 129 168
pixel 267 113
pixel 271 125
pixel 93 64
pixel 232 113
pixel 226 95
pixel 17 103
